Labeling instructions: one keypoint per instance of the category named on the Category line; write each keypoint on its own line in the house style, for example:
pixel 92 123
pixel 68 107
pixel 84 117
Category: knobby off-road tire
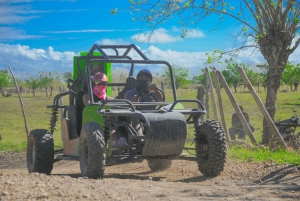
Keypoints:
pixel 92 151
pixel 159 164
pixel 210 148
pixel 40 151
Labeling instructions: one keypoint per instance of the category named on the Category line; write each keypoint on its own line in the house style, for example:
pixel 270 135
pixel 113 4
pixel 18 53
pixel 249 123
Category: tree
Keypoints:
pixel 271 26
pixel 32 83
pixel 45 80
pixel 291 75
pixel 49 80
pixel 5 79
pixel 67 76
pixel 256 77
pixel 232 75
pixel 200 79
pixel 181 76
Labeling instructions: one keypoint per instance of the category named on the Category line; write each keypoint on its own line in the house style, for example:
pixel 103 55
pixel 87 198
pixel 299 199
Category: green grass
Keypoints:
pixel 256 154
pixel 13 147
pixel 37 116
pixel 13 132
pixel 259 155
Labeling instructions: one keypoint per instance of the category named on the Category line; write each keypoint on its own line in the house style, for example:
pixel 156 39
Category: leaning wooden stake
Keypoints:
pixel 21 102
pixel 220 103
pixel 211 90
pixel 261 106
pixel 237 109
pixel 207 99
pixel 61 111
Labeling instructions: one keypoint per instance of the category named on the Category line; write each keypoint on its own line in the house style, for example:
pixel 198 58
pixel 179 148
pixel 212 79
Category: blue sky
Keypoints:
pixel 44 35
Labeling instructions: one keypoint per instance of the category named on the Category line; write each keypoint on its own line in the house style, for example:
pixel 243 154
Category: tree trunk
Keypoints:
pixel 235 86
pixel 275 47
pixel 46 91
pixel 33 91
pixel 51 89
pixel 296 86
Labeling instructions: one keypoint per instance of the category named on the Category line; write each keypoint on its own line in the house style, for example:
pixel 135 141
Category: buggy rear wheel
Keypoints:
pixel 40 151
pixel 92 151
pixel 159 164
pixel 210 148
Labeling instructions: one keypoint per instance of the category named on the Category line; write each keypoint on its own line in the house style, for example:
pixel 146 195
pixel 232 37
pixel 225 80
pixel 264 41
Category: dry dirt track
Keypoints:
pixel 182 181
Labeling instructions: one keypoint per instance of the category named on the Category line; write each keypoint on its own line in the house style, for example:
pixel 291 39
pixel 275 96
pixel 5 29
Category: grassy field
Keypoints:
pixel 13 132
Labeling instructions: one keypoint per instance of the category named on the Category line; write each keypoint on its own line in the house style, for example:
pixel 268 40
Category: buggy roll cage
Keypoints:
pixel 117 57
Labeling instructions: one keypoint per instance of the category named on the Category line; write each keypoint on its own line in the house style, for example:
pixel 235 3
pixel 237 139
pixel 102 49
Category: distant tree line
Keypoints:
pixel 45 80
pixel 50 80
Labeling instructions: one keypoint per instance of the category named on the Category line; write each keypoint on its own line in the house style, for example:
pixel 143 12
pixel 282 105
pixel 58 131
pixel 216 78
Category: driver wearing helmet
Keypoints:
pixel 145 89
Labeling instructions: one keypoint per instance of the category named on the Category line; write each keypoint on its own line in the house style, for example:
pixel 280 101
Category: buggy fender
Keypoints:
pixel 165 134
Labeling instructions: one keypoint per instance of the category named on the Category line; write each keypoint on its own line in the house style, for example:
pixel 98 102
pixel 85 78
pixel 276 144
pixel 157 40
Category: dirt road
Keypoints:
pixel 135 181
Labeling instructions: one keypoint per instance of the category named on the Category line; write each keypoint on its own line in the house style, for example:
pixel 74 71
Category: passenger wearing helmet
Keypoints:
pixel 99 83
pixel 145 89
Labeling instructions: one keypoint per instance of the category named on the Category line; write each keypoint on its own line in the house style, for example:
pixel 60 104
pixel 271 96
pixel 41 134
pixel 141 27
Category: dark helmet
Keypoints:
pixel 144 79
pixel 145 72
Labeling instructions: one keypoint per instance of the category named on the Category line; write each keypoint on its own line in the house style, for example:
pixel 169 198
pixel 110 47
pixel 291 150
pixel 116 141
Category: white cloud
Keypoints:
pixel 89 31
pixel 194 61
pixel 158 36
pixel 11 13
pixel 194 33
pixel 12 34
pixel 80 31
pixel 31 60
pixel 107 41
pixel 162 35
pixel 250 56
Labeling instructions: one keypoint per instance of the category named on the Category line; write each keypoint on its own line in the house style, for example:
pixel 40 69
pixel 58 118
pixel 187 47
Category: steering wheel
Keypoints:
pixel 147 98
pixel 141 94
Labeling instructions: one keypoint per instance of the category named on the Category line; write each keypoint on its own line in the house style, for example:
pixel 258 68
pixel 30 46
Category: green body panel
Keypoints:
pixel 82 64
pixel 90 114
pixel 178 106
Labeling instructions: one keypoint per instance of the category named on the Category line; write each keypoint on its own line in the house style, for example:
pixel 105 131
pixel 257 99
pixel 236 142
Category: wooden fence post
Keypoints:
pixel 162 84
pixel 211 89
pixel 207 98
pixel 237 109
pixel 21 102
pixel 220 103
pixel 261 106
pixel 61 111
pixel 200 97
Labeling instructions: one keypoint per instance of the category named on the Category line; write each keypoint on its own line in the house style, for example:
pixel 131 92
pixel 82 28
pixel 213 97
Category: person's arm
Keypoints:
pixel 130 95
pixel 158 94
pixel 246 117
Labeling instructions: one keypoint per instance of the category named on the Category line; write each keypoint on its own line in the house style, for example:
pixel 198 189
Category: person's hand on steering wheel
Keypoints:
pixel 134 98
pixel 152 87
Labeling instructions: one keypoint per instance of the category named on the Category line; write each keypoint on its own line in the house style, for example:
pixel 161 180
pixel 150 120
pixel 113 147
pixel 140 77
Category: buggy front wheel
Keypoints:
pixel 210 148
pixel 40 151
pixel 92 151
